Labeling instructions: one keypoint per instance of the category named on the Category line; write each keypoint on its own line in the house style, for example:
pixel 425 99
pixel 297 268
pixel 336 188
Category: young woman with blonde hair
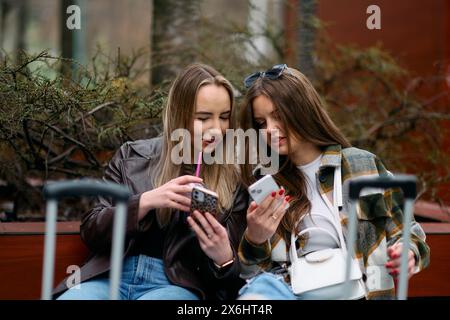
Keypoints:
pixel 169 254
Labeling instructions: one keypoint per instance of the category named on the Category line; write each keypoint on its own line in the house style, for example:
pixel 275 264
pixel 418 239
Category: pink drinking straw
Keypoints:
pixel 199 162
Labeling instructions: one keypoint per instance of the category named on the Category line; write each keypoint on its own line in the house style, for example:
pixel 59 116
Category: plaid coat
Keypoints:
pixel 380 218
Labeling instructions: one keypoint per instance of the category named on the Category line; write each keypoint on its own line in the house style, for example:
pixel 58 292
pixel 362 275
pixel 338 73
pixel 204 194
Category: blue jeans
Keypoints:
pixel 143 278
pixel 267 286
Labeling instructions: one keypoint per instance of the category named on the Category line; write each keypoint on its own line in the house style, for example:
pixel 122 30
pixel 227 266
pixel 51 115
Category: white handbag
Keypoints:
pixel 320 275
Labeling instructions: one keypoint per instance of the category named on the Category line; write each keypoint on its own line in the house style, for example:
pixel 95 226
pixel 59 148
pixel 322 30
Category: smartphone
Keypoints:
pixel 204 200
pixel 262 188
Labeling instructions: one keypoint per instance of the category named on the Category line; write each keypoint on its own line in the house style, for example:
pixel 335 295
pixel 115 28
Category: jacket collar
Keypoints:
pixel 332 156
pixel 148 148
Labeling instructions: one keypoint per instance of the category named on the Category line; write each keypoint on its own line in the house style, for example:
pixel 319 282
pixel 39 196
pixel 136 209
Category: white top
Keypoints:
pixel 320 216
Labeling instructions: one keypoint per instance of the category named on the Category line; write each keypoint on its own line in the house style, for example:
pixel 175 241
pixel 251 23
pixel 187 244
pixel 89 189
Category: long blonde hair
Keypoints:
pixel 303 114
pixel 178 113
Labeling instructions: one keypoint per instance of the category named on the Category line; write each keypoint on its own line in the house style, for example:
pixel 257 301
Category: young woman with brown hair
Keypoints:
pixel 316 164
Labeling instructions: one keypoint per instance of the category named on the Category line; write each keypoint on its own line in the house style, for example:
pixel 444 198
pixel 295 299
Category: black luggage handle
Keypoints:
pixel 85 188
pixel 406 182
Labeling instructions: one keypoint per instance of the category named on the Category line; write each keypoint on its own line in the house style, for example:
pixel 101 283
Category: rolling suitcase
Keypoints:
pixel 408 184
pixel 58 190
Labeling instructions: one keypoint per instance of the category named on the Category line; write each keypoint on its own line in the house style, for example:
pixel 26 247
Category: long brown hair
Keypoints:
pixel 178 113
pixel 302 114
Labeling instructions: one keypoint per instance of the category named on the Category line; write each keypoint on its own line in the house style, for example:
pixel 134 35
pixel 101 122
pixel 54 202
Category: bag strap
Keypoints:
pixel 320 229
pixel 293 250
pixel 337 202
pixel 337 188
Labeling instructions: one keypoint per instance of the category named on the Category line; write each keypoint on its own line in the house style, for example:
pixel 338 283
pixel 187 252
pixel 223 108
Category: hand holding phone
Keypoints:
pixel 266 212
pixel 204 200
pixel 262 188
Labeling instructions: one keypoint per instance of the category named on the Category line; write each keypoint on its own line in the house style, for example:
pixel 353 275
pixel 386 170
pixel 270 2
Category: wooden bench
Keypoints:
pixel 21 252
pixel 434 281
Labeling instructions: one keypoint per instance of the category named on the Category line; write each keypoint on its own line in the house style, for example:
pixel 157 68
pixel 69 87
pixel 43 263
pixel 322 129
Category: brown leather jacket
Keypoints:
pixel 185 263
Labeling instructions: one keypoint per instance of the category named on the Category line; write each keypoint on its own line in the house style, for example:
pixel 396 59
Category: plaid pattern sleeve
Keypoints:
pixel 254 258
pixel 394 202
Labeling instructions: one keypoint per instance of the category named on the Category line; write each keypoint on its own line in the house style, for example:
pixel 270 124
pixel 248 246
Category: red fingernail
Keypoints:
pixel 273 194
pixel 281 192
pixel 287 198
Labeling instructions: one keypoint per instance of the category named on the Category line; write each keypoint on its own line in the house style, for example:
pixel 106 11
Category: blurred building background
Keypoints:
pixel 238 37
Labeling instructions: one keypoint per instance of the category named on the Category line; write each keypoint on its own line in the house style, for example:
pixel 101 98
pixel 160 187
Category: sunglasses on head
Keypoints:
pixel 273 73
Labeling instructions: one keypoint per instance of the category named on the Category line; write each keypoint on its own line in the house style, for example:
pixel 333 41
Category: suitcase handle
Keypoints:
pixel 406 182
pixel 85 188
pixel 408 185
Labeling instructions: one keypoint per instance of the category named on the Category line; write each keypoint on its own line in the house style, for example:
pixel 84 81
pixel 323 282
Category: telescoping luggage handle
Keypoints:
pixel 88 187
pixel 408 184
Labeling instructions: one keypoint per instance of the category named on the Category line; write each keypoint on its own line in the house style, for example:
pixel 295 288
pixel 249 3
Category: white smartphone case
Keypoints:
pixel 262 188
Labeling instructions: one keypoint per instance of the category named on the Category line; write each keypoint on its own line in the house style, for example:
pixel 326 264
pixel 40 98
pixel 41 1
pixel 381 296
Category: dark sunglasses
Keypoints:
pixel 273 73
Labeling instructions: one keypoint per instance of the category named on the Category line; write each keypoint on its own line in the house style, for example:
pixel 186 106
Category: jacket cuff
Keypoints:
pixel 229 271
pixel 413 247
pixel 132 214
pixel 250 253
